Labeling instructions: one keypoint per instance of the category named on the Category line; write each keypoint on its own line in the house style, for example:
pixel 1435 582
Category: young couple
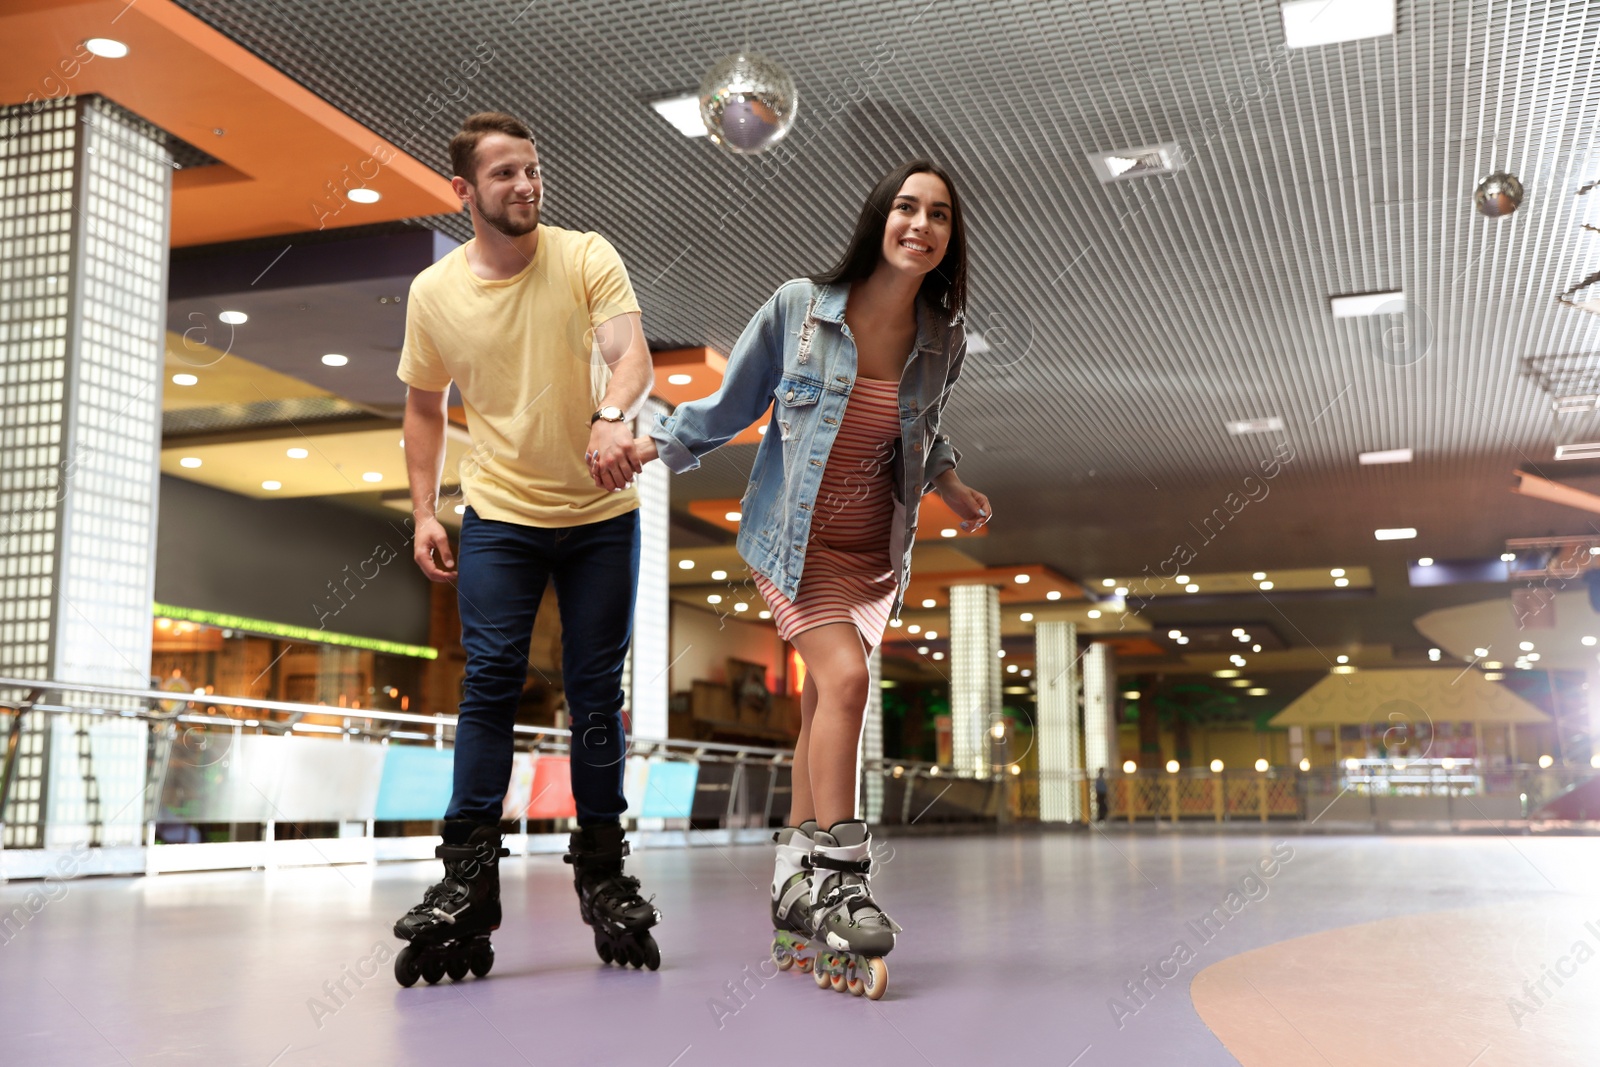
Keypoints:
pixel 856 365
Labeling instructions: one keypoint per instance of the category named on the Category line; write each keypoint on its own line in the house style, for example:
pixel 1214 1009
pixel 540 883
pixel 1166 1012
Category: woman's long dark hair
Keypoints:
pixel 945 287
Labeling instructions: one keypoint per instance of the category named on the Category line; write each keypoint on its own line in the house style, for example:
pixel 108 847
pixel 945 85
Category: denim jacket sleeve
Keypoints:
pixel 755 367
pixel 942 455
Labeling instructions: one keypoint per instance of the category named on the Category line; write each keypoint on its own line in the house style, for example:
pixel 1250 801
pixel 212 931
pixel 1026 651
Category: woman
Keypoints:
pixel 857 364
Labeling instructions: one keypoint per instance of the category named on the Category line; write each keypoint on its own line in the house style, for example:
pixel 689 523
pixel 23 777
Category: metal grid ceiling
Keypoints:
pixel 1141 315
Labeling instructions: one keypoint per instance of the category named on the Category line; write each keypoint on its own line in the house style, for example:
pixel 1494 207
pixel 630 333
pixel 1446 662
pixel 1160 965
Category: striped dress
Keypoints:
pixel 848 576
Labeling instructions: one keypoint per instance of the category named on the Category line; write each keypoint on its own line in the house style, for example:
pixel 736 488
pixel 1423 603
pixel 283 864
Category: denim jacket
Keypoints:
pixel 797 355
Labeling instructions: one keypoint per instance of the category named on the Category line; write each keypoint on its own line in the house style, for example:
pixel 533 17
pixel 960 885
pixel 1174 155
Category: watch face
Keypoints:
pixel 612 413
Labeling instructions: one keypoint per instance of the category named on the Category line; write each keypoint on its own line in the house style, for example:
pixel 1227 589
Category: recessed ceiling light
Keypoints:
pixel 718 575
pixel 895 623
pixel 1586 640
pixel 686 564
pixel 1341 582
pixel 765 614
pixel 271 486
pixel 1054 594
pixel 1183 640
pixel 1309 23
pixel 741 606
pixel 1120 590
pixel 1265 424
pixel 762 429
pixel 922 650
pixel 184 379
pixel 732 516
pixel 1026 616
pixel 913 629
pixel 1256 692
pixel 933 635
pixel 1484 651
pixel 680 379
pixel 106 47
pixel 1022 579
pixel 1182 579
pixel 1257 576
pixel 364 196
pixel 1174 634
pixel 714 598
pixel 194 461
pixel 1337 572
pixel 1434 654
pixel 938 655
pixel 1361 305
pixel 1094 613
pixel 947 532
pixel 1342 659
pixel 1425 561
pixel 1226 673
pixel 1255 648
pixel 461 509
pixel 298 453
pixel 683 112
pixel 233 318
pixel 1108 582
pixel 1393 455
pixel 1508 557
pixel 1266 585
pixel 929 602
pixel 1399 533
pixel 1526 646
pixel 372 476
pixel 334 359
pixel 1191 588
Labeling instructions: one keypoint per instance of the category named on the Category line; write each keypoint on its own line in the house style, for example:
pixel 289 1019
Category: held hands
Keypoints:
pixel 970 506
pixel 612 456
pixel 431 543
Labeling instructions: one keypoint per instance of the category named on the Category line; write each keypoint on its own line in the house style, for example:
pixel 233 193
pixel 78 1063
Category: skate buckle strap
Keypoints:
pixel 822 861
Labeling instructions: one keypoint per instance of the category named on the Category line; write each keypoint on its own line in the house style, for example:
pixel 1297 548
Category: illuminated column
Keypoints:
pixel 1594 719
pixel 1099 709
pixel 84 205
pixel 974 675
pixel 1060 748
pixel 869 791
pixel 645 680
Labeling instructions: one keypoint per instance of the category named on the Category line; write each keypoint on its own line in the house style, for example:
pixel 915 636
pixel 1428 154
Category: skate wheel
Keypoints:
pixel 804 963
pixel 874 978
pixel 432 970
pixel 406 971
pixel 855 986
pixel 632 955
pixel 455 965
pixel 480 959
pixel 602 947
pixel 820 973
pixel 782 959
pixel 650 952
pixel 837 980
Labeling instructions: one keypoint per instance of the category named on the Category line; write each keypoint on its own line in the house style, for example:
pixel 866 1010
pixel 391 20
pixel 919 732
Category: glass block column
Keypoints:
pixel 1099 709
pixel 974 675
pixel 85 191
pixel 869 792
pixel 645 678
pixel 1057 733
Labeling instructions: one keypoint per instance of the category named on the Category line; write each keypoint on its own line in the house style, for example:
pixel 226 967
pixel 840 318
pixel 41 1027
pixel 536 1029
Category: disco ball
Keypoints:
pixel 1498 194
pixel 748 103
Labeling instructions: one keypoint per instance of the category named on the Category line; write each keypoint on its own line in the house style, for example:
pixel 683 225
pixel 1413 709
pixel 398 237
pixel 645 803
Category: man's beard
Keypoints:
pixel 502 221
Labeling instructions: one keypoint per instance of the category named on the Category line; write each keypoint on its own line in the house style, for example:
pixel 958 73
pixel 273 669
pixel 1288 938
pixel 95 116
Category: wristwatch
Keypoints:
pixel 610 414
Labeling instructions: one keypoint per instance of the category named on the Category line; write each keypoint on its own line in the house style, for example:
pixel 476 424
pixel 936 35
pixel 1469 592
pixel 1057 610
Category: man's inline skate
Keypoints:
pixel 609 900
pixel 792 944
pixel 853 933
pixel 449 931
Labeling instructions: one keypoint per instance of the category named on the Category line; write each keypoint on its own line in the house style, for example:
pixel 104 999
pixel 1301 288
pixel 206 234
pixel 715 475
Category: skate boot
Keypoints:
pixel 449 931
pixel 791 898
pixel 609 900
pixel 853 933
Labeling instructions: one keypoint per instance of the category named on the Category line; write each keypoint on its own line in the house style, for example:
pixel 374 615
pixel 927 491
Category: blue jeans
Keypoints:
pixel 502 570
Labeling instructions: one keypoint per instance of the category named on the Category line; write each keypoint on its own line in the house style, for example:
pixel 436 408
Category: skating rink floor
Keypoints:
pixel 1072 950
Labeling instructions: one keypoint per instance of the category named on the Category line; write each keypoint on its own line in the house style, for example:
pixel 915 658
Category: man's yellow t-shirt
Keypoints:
pixel 521 351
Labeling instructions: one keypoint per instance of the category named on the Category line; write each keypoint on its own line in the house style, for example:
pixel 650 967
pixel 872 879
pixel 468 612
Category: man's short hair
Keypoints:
pixel 464 145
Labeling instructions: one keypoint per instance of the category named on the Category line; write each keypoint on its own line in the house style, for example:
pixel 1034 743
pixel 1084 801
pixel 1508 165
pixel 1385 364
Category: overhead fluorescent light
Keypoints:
pixel 1401 533
pixel 1571 405
pixel 1393 455
pixel 1587 450
pixel 684 114
pixel 1267 424
pixel 1148 161
pixel 1309 23
pixel 1359 305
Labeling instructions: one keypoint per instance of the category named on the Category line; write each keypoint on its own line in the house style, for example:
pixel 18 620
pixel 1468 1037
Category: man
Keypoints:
pixel 513 318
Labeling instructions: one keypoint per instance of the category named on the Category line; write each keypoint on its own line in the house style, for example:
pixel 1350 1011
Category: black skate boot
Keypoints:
pixel 609 900
pixel 449 930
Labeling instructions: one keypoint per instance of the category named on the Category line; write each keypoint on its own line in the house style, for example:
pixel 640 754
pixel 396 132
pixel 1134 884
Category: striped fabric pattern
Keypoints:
pixel 848 576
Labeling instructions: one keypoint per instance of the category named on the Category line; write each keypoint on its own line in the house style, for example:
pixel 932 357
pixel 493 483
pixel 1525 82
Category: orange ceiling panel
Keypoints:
pixel 704 367
pixel 935 516
pixel 1041 582
pixel 287 156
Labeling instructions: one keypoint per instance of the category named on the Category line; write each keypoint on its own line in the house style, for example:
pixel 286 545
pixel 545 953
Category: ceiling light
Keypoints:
pixel 271 486
pixel 1237 631
pixel 938 655
pixel 1342 659
pixel 1216 766
pixel 185 379
pixel 106 47
pixel 732 516
pixel 1309 23
pixel 1120 590
pixel 1425 561
pixel 1108 582
pixel 1022 579
pixel 1264 424
pixel 1344 668
pixel 929 602
pixel 895 623
pixel 1191 588
pixel 1362 305
pixel 1225 673
pixel 1183 640
pixel 1182 579
pixel 1001 653
pixel 718 575
pixel 1508 557
pixel 1433 654
pixel 1132 694
pixel 1337 572
pixel 364 196
pixel 741 606
pixel 1533 657
pixel 372 476
pixel 1399 533
pixel 1128 766
pixel 762 429
pixel 1393 455
pixel 683 112
pixel 334 359
pixel 194 461
pixel 714 598
pixel 686 564
pixel 1266 585
pixel 947 532
pixel 1341 582
pixel 680 379
pixel 1094 613
pixel 1174 634
pixel 1594 550
pixel 922 650
pixel 1027 616
pixel 1588 640
pixel 1262 764
pixel 1492 665
pixel 1481 652
pixel 460 509
pixel 1255 648
pixel 932 635
pixel 1054 594
pixel 1256 577
pixel 913 629
pixel 1240 683
pixel 1011 668
pixel 1526 646
pixel 1305 764
pixel 765 614
pixel 1256 692
pixel 233 318
pixel 298 453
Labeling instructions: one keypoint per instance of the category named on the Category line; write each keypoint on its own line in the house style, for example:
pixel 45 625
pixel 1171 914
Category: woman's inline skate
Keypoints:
pixel 852 932
pixel 792 944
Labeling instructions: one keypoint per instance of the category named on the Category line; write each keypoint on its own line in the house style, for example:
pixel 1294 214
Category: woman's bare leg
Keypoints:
pixel 836 662
pixel 801 807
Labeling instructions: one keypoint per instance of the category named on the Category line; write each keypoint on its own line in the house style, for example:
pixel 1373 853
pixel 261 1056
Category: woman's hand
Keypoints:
pixel 644 448
pixel 970 506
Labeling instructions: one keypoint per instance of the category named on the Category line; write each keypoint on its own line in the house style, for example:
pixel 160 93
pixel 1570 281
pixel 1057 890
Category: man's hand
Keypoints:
pixel 971 506
pixel 612 461
pixel 431 543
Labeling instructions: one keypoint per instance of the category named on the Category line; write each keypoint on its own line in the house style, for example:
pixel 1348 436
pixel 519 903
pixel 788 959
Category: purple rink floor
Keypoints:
pixel 1017 950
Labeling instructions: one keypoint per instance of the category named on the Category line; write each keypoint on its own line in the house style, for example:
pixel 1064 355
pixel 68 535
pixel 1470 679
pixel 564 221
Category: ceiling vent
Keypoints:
pixel 1150 161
